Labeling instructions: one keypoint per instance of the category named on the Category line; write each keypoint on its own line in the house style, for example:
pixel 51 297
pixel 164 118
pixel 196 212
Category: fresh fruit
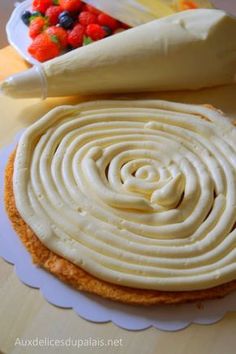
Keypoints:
pixel 187 5
pixel 108 30
pixel 63 13
pixel 86 18
pixel 95 32
pixel 61 35
pixel 91 9
pixel 26 17
pixel 52 14
pixel 106 20
pixel 57 26
pixel 119 30
pixel 44 47
pixel 35 14
pixel 42 5
pixel 37 26
pixel 71 5
pixel 124 26
pixel 76 36
pixel 87 40
pixel 66 21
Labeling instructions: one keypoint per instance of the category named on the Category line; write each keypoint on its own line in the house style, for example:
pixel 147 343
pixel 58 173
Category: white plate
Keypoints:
pixel 17 31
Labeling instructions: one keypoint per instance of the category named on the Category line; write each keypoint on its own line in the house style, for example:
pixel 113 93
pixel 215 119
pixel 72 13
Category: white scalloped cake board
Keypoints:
pixel 92 308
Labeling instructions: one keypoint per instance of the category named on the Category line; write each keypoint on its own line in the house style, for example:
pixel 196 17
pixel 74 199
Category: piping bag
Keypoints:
pixel 133 12
pixel 188 50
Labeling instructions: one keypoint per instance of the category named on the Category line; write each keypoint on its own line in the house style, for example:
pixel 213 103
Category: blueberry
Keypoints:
pixel 107 30
pixel 26 17
pixel 64 13
pixel 66 22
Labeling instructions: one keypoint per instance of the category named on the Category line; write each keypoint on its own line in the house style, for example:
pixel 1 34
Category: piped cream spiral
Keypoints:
pixel 139 193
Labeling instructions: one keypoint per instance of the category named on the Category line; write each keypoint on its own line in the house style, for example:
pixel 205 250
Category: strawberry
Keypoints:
pixel 60 34
pixel 44 47
pixel 87 40
pixel 41 5
pixel 123 25
pixel 106 20
pixel 91 9
pixel 76 36
pixel 52 14
pixel 37 25
pixel 71 5
pixel 86 18
pixel 95 32
pixel 108 30
pixel 119 30
pixel 187 5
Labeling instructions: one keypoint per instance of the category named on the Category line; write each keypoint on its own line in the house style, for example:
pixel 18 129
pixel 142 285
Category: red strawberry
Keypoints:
pixel 76 36
pixel 71 5
pixel 44 47
pixel 95 32
pixel 52 14
pixel 86 18
pixel 187 5
pixel 123 25
pixel 119 30
pixel 106 20
pixel 37 25
pixel 60 34
pixel 91 9
pixel 41 5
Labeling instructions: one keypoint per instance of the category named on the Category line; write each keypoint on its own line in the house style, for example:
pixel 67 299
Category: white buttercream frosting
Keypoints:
pixel 138 193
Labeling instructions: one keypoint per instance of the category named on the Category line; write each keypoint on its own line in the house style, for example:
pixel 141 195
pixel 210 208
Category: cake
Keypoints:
pixel 132 200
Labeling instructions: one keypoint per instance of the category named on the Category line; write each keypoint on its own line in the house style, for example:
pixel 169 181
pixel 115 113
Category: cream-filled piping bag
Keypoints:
pixel 187 50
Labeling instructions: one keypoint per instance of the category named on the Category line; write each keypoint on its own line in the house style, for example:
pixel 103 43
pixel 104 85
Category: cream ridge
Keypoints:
pixel 139 193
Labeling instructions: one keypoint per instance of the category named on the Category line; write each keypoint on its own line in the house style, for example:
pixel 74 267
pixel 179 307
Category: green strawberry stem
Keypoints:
pixel 87 40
